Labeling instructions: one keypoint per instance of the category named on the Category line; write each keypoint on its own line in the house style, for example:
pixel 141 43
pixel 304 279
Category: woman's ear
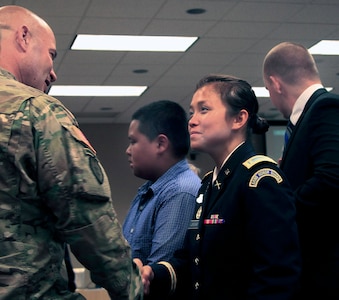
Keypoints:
pixel 240 119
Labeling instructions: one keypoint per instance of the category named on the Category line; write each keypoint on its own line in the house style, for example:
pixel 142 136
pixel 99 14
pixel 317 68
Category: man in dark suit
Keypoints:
pixel 310 161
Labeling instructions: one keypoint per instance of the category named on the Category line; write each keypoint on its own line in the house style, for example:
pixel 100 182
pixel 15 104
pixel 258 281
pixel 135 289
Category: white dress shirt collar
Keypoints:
pixel 301 102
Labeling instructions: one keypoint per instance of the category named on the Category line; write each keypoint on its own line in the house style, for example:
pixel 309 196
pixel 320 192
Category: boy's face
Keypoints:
pixel 141 152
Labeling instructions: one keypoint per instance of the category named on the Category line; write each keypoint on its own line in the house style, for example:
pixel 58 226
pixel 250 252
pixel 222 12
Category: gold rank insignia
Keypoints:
pixel 264 173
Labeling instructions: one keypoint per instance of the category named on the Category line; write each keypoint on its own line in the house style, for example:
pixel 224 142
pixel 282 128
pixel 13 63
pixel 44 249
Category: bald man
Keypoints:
pixel 53 188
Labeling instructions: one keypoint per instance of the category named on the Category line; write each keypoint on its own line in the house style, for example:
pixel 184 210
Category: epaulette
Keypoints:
pixel 252 161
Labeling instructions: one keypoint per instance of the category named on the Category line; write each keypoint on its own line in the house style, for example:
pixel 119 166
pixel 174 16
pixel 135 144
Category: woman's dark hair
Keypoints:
pixel 168 118
pixel 237 94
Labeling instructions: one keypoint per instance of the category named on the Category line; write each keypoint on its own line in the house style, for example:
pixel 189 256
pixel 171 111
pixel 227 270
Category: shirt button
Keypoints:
pixel 132 230
pixel 196 285
pixel 196 261
pixel 197 238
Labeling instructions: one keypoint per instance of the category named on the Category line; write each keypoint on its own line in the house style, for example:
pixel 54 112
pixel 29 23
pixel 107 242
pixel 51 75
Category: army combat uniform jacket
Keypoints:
pixel 242 242
pixel 53 190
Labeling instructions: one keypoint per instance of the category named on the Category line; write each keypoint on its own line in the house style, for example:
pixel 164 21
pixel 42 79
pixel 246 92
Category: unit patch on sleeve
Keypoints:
pixel 264 173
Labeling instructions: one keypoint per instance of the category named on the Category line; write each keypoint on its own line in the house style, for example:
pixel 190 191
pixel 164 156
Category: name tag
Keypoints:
pixel 193 224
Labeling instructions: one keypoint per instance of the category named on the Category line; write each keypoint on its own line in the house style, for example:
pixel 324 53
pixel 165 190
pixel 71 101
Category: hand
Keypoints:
pixel 279 161
pixel 147 276
pixel 138 262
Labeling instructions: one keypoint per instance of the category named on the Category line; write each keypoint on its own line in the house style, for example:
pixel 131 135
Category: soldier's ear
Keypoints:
pixel 240 119
pixel 23 38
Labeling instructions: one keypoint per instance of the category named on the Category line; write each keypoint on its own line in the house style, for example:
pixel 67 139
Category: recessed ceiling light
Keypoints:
pixel 325 47
pixel 140 71
pixel 96 91
pixel 132 43
pixel 196 11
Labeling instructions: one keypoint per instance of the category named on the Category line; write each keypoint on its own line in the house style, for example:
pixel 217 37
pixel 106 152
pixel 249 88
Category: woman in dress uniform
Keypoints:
pixel 242 242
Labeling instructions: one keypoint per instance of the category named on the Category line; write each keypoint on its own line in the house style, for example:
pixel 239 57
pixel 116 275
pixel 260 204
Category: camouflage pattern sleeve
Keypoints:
pixel 54 190
pixel 80 198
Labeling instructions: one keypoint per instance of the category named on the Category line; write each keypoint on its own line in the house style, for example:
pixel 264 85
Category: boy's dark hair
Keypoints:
pixel 168 118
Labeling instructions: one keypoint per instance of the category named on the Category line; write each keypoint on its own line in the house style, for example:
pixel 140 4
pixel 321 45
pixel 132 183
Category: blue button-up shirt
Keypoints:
pixel 156 223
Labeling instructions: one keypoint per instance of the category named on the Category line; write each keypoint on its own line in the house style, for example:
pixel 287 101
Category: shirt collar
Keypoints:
pixel 6 73
pixel 171 173
pixel 301 102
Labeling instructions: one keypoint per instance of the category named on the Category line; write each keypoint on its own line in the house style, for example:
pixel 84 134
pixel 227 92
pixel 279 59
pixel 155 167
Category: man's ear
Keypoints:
pixel 23 37
pixel 276 84
pixel 162 142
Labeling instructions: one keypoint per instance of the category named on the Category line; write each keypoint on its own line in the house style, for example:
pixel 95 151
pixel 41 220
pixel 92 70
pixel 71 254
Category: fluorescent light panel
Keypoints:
pixel 262 92
pixel 325 47
pixel 132 43
pixel 122 91
pixel 97 91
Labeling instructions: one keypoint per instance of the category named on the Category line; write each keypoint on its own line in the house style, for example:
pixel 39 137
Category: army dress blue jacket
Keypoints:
pixel 242 242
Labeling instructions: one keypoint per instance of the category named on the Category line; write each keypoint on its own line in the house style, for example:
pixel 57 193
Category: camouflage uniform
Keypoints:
pixel 54 191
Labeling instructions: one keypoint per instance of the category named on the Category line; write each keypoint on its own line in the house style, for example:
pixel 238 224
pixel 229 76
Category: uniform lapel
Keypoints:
pixel 217 188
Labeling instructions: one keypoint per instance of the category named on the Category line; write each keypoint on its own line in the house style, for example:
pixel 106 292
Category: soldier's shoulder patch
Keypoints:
pixel 252 161
pixel 264 172
pixel 78 135
pixel 96 169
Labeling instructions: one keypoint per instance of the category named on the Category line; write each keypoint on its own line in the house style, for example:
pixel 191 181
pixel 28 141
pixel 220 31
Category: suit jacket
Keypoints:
pixel 311 164
pixel 242 242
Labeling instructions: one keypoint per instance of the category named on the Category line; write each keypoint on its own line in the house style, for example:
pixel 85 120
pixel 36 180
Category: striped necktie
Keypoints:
pixel 288 132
